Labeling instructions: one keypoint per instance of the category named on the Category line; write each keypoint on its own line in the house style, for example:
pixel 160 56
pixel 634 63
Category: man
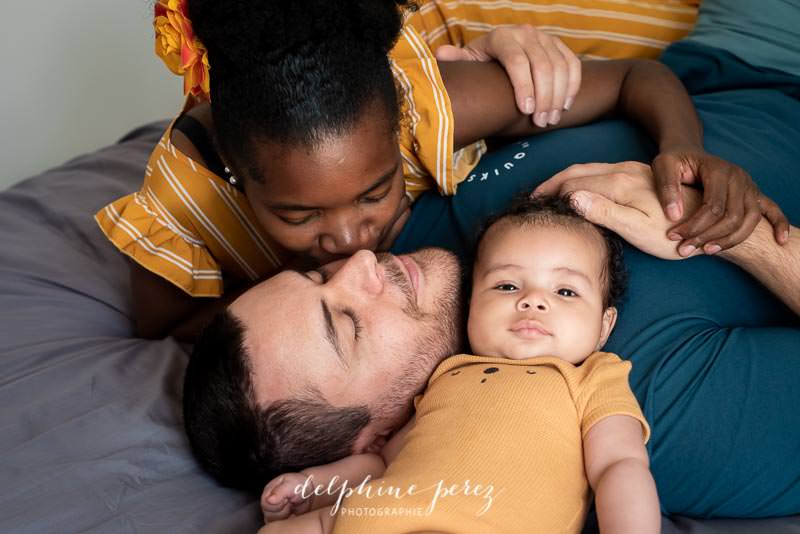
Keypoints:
pixel 309 367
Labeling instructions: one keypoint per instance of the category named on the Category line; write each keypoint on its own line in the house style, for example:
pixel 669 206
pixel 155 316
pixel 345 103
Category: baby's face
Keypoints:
pixel 538 291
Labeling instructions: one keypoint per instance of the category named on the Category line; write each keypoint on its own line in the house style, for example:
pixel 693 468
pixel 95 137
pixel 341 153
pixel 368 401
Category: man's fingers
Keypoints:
pixel 607 213
pixel 518 67
pixel 774 214
pixel 559 77
pixel 540 67
pixel 575 73
pixel 614 181
pixel 553 184
pixel 453 53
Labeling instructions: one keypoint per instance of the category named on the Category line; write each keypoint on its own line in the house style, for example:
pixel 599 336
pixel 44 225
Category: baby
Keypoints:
pixel 509 439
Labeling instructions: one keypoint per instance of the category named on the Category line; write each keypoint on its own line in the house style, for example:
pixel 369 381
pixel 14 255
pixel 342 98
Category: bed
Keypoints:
pixel 91 437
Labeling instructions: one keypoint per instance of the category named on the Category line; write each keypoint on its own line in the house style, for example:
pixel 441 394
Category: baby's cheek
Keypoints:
pixel 480 334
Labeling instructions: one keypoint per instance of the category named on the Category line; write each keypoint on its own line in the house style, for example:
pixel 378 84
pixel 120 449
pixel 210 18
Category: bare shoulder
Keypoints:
pixel 201 113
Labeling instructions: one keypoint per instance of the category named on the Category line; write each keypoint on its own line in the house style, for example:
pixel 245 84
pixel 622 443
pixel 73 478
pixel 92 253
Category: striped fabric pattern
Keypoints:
pixel 593 29
pixel 190 226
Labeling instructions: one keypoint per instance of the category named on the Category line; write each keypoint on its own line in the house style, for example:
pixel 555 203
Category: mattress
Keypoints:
pixel 91 436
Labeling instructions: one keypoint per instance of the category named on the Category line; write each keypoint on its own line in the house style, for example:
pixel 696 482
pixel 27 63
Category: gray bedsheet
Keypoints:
pixel 90 424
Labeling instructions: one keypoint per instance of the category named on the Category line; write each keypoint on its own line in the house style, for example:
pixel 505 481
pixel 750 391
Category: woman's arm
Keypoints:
pixel 618 470
pixel 161 309
pixel 647 92
pixel 483 103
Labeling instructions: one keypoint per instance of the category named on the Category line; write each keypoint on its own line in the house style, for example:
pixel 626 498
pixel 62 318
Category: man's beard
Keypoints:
pixel 439 332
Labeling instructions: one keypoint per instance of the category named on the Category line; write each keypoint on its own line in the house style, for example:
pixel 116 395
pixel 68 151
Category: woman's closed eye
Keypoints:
pixel 375 198
pixel 299 220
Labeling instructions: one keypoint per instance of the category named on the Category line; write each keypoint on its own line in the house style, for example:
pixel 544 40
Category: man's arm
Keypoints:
pixel 622 198
pixel 775 266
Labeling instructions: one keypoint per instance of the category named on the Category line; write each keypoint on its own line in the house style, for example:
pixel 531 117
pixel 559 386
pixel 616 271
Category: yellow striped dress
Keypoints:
pixel 189 226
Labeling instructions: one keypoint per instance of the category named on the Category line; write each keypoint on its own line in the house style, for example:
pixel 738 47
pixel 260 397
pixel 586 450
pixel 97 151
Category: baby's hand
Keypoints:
pixel 282 497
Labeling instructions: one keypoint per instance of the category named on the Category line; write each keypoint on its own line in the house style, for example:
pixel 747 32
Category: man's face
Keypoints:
pixel 355 331
pixel 538 291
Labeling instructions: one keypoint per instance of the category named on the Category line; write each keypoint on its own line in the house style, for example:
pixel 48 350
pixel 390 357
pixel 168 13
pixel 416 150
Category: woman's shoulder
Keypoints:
pixel 182 140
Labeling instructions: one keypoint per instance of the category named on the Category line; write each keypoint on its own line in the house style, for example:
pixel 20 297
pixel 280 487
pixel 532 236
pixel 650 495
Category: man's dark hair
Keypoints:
pixel 295 71
pixel 245 445
pixel 555 210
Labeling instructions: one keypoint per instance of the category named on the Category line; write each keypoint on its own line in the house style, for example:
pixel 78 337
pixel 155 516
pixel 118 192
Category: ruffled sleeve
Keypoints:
pixel 426 133
pixel 143 231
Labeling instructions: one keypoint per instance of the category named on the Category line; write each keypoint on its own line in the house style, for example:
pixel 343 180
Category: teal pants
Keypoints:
pixel 716 358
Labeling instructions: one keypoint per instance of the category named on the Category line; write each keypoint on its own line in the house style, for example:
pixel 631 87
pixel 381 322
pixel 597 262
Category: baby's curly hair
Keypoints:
pixel 554 210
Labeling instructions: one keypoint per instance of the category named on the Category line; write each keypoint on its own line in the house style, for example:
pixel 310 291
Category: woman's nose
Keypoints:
pixel 344 236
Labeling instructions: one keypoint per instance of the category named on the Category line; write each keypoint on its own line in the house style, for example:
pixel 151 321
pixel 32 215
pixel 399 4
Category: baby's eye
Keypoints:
pixel 506 287
pixel 564 292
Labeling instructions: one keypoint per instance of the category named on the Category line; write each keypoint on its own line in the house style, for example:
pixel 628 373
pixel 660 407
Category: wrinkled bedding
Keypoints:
pixel 90 426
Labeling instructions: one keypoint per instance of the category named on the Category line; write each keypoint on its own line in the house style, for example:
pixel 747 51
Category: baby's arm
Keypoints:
pixel 315 514
pixel 618 470
pixel 316 487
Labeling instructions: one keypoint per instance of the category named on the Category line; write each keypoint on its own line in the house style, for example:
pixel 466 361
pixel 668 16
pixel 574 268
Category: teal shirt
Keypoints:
pixel 763 33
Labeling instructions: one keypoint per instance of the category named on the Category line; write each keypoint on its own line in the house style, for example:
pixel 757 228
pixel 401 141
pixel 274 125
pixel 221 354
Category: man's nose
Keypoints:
pixel 533 300
pixel 361 272
pixel 344 235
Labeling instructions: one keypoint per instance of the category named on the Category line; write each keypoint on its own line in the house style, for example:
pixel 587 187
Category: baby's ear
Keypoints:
pixel 609 320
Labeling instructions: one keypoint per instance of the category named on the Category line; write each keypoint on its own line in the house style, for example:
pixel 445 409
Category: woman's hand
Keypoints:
pixel 622 197
pixel 281 497
pixel 732 203
pixel 546 75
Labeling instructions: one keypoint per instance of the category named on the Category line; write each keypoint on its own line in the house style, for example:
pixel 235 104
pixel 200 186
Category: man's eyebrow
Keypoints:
pixel 375 185
pixel 331 334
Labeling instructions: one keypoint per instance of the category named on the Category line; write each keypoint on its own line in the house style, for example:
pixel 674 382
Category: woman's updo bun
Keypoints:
pixel 294 70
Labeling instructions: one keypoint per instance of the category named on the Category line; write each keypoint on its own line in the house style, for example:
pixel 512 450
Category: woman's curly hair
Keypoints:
pixel 295 71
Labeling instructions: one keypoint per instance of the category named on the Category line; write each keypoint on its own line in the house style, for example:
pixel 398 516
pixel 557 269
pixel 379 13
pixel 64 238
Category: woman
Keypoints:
pixel 302 155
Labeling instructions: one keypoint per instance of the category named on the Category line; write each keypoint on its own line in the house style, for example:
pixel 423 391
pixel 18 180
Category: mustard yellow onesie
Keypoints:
pixel 497 447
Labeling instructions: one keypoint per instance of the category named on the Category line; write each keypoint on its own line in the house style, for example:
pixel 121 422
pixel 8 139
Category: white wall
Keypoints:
pixel 75 75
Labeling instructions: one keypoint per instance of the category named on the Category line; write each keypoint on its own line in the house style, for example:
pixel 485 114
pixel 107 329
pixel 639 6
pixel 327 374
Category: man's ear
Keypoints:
pixel 609 320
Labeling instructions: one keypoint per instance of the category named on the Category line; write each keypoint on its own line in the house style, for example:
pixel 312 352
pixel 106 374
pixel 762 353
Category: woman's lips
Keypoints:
pixel 530 329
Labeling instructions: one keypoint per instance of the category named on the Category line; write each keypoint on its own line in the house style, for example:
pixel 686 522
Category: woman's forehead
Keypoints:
pixel 353 160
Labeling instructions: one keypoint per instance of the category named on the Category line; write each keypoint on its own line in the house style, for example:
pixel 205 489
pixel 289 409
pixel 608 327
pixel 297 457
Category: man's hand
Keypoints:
pixel 732 203
pixel 622 198
pixel 281 497
pixel 546 75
